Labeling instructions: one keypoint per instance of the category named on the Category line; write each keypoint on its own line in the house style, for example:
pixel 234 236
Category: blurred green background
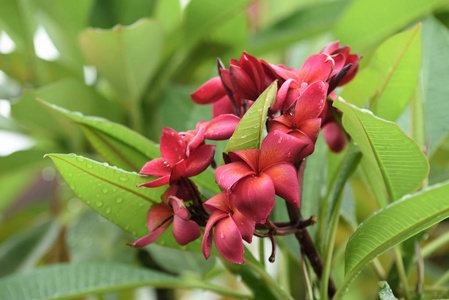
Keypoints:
pixel 136 62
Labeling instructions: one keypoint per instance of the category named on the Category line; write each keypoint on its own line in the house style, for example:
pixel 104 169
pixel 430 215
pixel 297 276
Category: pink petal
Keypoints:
pixel 229 174
pixel 228 241
pixel 281 95
pixel 149 238
pixel 253 68
pixel 156 183
pixel 218 202
pixel 185 231
pixel 199 160
pixel 246 226
pixel 285 179
pixel 210 92
pixel 197 140
pixel 156 167
pixel 311 103
pixel 316 67
pixel 221 127
pixel 178 171
pixel 311 127
pixel 306 139
pixel 157 216
pixel 331 48
pixel 280 72
pixel 249 156
pixel 282 123
pixel 222 106
pixel 179 209
pixel 354 60
pixel 206 245
pixel 254 197
pixel 279 147
pixel 242 84
pixel 334 137
pixel 173 148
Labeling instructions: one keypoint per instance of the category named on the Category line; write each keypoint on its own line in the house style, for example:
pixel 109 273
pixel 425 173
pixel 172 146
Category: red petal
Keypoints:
pixel 229 174
pixel 149 238
pixel 178 171
pixel 305 138
pixel 334 137
pixel 179 208
pixel 185 231
pixel 210 92
pixel 246 226
pixel 206 245
pixel 281 95
pixel 311 127
pixel 331 47
pixel 254 69
pixel 279 147
pixel 228 241
pixel 254 197
pixel 158 215
pixel 249 156
pixel 158 182
pixel 156 167
pixel 222 127
pixel 285 181
pixel 197 139
pixel 173 148
pixel 218 202
pixel 311 103
pixel 222 106
pixel 199 160
pixel 282 123
pixel 316 67
pixel 242 84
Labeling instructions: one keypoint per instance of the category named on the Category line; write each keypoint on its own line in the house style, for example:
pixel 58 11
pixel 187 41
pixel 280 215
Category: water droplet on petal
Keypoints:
pixel 222 235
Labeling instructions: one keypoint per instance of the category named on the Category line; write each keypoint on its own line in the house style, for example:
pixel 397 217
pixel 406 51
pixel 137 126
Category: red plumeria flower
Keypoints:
pixel 342 59
pixel 317 67
pixel 304 121
pixel 218 129
pixel 255 176
pixel 231 226
pixel 179 159
pixel 159 218
pixel 332 133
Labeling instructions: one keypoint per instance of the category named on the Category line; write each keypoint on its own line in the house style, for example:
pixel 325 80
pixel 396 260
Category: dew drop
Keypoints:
pixel 244 136
pixel 172 133
pixel 119 200
pixel 72 186
pixel 105 191
pixel 114 190
pixel 80 159
pixel 140 204
pixel 99 203
pixel 89 165
pixel 70 175
pixel 126 227
pixel 222 235
pixel 123 178
pixel 108 211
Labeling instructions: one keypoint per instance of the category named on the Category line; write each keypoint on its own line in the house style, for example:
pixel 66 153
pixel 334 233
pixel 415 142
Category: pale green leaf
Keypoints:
pixel 126 56
pixel 248 133
pixel 68 281
pixel 392 225
pixel 435 78
pixel 385 292
pixel 390 79
pixel 117 144
pixel 368 22
pixel 395 159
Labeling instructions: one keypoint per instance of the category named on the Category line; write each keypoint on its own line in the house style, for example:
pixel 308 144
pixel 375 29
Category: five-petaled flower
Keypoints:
pixel 179 159
pixel 256 176
pixel 231 226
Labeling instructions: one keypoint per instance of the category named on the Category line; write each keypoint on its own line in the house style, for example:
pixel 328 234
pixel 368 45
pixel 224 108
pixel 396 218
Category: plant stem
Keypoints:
pixel 401 271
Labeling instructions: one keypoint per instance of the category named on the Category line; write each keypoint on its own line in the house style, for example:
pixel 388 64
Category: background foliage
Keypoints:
pixel 135 63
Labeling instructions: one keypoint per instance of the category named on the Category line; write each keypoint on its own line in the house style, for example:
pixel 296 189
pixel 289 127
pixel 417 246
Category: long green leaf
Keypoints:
pixel 248 133
pixel 389 81
pixel 434 82
pixel 394 158
pixel 77 280
pixel 126 56
pixel 368 22
pixel 118 145
pixel 392 225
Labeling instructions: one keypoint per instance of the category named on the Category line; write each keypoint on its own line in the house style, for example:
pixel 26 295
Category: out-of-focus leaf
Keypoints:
pixel 394 158
pixel 434 82
pixel 12 186
pixel 385 292
pixel 389 81
pixel 248 133
pixel 22 251
pixel 126 56
pixel 233 32
pixel 117 144
pixel 20 159
pixel 368 22
pixel 68 281
pixel 168 13
pixel 300 24
pixel 17 18
pixel 69 93
pixel 392 225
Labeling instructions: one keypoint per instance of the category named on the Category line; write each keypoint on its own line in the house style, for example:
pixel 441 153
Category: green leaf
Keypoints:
pixel 368 22
pixel 117 144
pixel 434 82
pixel 23 251
pixel 394 158
pixel 390 79
pixel 385 292
pixel 111 192
pixel 126 56
pixel 68 281
pixel 248 133
pixel 392 225
pixel 300 24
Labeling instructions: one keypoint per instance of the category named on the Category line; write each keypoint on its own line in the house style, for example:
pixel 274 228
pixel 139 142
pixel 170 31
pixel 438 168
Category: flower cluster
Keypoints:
pixel 250 178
